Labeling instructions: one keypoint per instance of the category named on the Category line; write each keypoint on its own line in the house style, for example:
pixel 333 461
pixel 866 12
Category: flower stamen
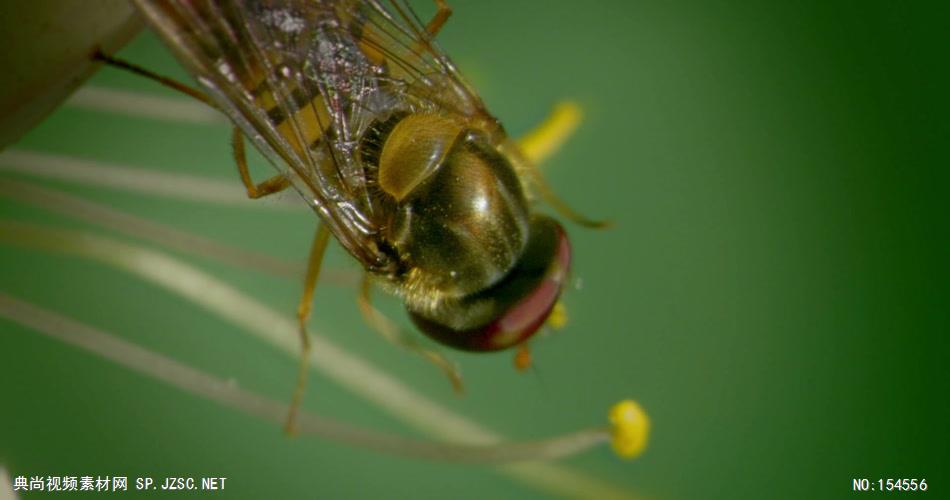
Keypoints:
pixel 630 428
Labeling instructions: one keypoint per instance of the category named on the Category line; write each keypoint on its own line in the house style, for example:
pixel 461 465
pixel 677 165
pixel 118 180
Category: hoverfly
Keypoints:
pixel 358 109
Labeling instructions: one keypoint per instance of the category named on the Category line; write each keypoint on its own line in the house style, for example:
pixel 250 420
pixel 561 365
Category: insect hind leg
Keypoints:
pixel 275 184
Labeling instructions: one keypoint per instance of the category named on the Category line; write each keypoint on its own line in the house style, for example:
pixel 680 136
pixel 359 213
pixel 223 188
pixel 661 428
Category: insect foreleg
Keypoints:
pixel 392 333
pixel 542 142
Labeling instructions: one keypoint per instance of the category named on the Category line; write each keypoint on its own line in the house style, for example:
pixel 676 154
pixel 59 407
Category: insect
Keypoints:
pixel 360 111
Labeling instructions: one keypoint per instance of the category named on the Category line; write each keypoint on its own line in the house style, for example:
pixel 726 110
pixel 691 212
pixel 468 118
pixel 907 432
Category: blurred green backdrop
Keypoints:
pixel 774 291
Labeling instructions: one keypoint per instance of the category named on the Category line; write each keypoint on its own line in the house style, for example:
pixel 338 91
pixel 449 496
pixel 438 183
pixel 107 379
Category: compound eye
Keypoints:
pixel 525 317
pixel 522 301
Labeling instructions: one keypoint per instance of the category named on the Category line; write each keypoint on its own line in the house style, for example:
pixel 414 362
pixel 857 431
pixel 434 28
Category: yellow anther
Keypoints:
pixel 558 317
pixel 542 142
pixel 631 428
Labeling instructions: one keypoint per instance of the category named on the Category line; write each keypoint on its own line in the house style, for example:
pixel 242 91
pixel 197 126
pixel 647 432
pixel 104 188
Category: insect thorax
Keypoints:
pixel 456 213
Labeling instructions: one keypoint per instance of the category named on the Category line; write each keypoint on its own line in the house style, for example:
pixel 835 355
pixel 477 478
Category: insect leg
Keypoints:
pixel 304 309
pixel 438 20
pixel 542 142
pixel 523 357
pixel 272 185
pixel 275 184
pixel 434 25
pixel 138 70
pixel 392 333
pixel 556 320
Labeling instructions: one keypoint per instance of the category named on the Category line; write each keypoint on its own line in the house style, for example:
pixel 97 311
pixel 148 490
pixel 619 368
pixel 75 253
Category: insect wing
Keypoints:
pixel 304 79
pixel 415 63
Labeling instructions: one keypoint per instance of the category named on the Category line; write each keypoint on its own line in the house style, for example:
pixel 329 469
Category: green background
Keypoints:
pixel 773 291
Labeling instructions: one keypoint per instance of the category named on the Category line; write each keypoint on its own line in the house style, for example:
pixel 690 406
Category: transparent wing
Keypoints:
pixel 414 61
pixel 304 79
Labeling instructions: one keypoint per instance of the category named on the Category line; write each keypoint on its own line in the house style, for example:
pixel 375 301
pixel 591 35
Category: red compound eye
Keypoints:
pixel 522 301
